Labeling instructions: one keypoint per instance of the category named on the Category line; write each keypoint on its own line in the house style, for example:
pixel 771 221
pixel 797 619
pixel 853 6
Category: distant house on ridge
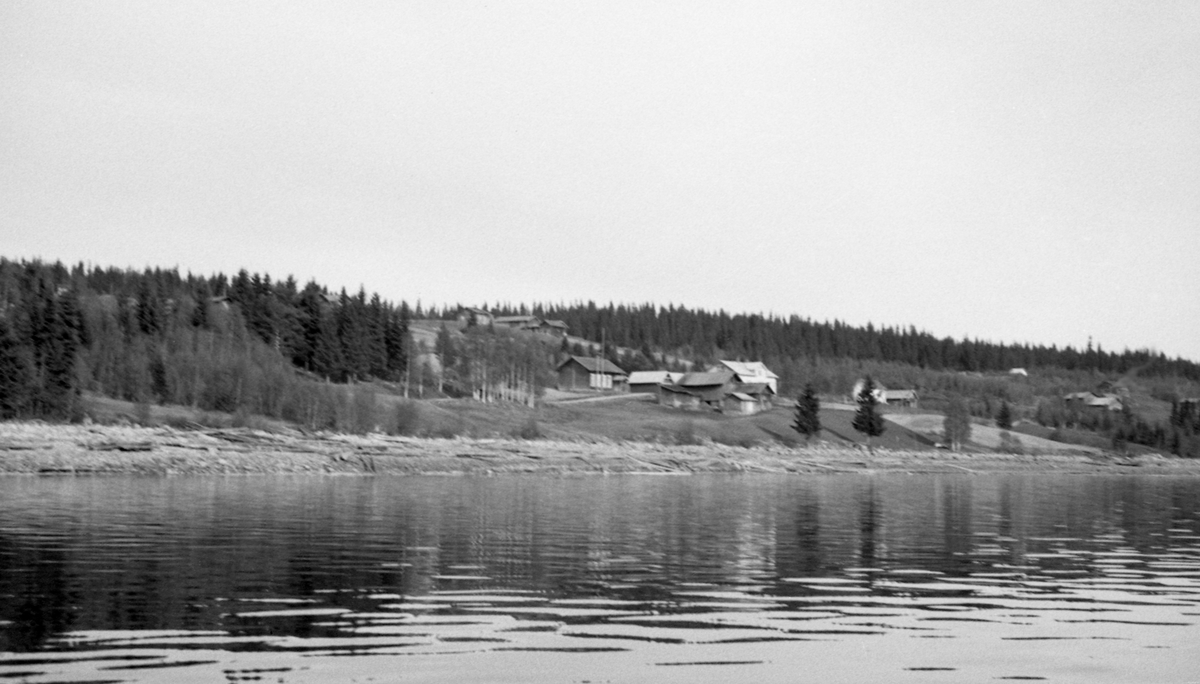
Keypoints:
pixel 470 316
pixel 518 322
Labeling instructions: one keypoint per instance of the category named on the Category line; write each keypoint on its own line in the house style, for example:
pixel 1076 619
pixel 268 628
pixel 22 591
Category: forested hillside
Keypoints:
pixel 251 345
pixel 703 335
pixel 243 343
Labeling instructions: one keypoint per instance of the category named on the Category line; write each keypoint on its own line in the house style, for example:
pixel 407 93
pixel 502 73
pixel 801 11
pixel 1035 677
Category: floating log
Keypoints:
pixel 121 446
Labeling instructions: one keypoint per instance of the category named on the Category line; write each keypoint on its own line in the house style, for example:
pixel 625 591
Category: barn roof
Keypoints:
pixel 706 379
pixel 515 319
pixel 647 377
pixel 749 368
pixel 593 365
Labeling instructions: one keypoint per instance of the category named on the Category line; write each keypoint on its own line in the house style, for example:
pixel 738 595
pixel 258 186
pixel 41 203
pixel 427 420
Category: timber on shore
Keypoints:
pixel 47 449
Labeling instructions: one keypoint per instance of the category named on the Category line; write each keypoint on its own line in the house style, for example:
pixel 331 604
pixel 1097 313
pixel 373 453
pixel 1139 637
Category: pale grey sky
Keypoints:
pixel 1013 171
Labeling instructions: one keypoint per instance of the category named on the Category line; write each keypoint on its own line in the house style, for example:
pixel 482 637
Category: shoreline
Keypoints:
pixel 35 448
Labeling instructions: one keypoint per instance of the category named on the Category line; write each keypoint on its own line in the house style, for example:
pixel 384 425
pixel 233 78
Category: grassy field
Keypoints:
pixel 613 419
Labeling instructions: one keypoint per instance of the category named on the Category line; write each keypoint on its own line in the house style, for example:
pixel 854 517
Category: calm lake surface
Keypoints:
pixel 601 579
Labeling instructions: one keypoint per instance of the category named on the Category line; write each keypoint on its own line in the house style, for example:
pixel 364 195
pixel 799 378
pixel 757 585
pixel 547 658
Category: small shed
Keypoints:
pixel 740 402
pixel 591 373
pixel 899 397
pixel 762 393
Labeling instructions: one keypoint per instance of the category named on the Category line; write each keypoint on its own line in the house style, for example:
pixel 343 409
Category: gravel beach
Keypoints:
pixel 35 448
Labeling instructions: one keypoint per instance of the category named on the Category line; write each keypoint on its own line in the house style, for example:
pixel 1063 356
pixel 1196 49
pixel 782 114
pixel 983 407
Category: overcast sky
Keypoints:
pixel 1011 171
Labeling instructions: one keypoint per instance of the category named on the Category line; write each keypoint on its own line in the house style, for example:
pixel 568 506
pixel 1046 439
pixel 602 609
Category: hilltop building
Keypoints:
pixel 469 316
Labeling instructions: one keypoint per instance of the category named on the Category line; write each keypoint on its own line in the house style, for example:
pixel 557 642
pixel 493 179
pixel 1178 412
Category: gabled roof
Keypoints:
pixel 705 379
pixel 593 365
pixel 515 319
pixel 648 377
pixel 900 394
pixel 749 368
pixel 755 388
pixel 556 324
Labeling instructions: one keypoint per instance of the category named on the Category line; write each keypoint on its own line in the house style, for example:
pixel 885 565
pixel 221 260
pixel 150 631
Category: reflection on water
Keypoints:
pixel 634 578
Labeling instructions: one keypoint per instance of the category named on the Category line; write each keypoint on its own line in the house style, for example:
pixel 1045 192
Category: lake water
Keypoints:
pixel 600 579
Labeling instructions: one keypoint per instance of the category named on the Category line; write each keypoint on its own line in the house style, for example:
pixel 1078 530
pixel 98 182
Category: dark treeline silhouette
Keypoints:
pixel 215 343
pixel 701 335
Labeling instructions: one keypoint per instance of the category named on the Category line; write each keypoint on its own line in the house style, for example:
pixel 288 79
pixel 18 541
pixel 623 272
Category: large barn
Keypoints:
pixel 589 373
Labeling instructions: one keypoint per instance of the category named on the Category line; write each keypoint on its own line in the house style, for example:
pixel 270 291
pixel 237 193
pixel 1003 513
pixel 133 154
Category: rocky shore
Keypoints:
pixel 45 449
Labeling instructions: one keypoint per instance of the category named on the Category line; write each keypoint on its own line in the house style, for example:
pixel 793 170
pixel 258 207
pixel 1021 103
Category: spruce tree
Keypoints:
pixel 807 418
pixel 867 419
pixel 1004 416
pixel 16 376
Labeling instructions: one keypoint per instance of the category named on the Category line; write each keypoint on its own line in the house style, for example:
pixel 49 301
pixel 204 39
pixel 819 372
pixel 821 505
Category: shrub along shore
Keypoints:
pixel 35 448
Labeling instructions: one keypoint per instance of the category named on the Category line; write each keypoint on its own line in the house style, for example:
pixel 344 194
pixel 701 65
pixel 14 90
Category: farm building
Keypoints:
pixel 878 392
pixel 740 402
pixel 708 389
pixel 899 397
pixel 590 373
pixel 675 396
pixel 1091 400
pixel 647 382
pixel 718 391
pixel 1109 402
pixel 554 327
pixel 750 398
pixel 749 372
pixel 469 316
pixel 890 397
pixel 518 322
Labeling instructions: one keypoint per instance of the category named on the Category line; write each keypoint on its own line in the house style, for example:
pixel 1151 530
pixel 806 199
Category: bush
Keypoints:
pixel 1010 443
pixel 530 430
pixel 142 414
pixel 406 419
pixel 685 434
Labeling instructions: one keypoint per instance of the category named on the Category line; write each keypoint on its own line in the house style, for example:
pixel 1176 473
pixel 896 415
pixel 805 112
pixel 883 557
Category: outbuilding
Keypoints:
pixel 591 373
